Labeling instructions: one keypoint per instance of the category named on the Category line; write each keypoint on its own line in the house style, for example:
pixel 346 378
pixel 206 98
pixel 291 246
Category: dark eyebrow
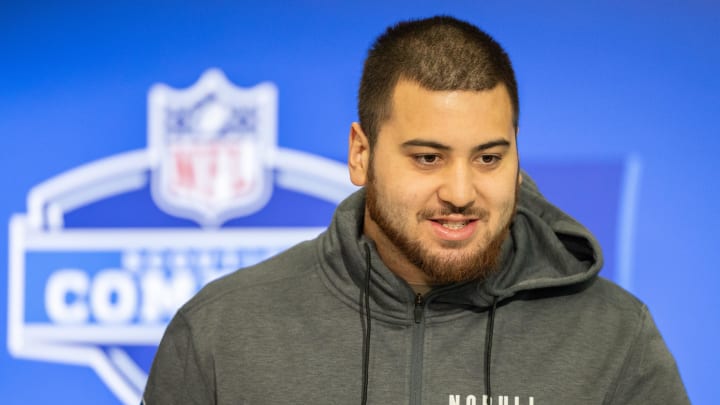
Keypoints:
pixel 425 143
pixel 440 146
pixel 491 144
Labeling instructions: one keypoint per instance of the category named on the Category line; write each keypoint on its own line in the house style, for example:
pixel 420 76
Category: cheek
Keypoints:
pixel 399 199
pixel 399 196
pixel 414 194
pixel 501 195
pixel 395 185
pixel 401 186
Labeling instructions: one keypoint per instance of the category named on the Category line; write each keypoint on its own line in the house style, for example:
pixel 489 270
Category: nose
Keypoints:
pixel 457 188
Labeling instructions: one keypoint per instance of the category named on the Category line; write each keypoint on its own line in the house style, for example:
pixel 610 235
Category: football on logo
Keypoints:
pixel 108 251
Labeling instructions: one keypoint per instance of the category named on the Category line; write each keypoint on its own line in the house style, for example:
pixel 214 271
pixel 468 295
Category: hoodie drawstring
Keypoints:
pixel 488 346
pixel 366 336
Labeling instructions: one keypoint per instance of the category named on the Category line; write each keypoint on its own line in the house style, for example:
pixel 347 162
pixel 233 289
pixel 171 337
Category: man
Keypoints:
pixel 447 279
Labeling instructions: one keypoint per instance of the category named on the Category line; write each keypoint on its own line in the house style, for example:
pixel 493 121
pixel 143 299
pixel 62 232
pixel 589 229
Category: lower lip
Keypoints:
pixel 466 232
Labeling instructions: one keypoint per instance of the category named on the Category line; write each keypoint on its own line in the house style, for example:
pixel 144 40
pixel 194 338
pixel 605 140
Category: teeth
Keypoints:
pixel 454 225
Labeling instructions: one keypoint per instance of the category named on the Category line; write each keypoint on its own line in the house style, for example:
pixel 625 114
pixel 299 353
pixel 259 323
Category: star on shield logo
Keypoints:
pixel 212 146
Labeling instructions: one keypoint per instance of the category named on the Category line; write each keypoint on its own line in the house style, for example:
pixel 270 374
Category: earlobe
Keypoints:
pixel 358 155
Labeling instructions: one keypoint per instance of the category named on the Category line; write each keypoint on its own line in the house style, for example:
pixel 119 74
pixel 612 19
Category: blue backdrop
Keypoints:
pixel 618 101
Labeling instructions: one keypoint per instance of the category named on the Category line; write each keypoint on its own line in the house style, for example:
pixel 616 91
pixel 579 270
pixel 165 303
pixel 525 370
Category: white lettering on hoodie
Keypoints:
pixel 456 399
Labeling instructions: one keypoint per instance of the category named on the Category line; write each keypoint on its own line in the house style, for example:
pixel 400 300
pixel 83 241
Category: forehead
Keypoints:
pixel 467 114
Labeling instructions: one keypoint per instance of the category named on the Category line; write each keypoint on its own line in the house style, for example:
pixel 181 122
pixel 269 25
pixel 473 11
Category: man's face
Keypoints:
pixel 441 182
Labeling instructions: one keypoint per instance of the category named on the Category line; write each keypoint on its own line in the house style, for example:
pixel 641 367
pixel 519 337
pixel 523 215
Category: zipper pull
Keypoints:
pixel 419 304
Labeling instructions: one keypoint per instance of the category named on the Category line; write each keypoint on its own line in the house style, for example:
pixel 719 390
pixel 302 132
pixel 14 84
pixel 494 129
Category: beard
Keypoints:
pixel 453 264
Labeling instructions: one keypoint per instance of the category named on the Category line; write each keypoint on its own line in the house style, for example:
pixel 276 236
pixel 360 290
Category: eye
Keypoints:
pixel 489 159
pixel 427 159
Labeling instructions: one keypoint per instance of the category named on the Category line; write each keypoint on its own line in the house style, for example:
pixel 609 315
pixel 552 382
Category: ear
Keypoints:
pixel 358 155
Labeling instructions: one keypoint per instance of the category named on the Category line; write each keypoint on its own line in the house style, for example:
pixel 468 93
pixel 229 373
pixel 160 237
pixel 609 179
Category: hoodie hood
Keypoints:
pixel 545 248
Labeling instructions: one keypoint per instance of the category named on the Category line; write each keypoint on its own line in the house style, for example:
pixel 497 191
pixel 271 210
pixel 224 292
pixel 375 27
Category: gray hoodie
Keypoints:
pixel 546 329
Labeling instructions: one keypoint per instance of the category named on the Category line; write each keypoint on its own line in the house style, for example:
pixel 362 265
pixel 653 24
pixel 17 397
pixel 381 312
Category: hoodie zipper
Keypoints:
pixel 416 362
pixel 419 307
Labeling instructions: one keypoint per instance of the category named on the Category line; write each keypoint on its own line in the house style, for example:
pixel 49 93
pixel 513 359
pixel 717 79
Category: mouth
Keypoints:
pixel 454 229
pixel 453 225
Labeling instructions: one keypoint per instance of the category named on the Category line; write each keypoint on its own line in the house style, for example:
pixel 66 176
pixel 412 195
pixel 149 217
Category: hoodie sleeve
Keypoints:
pixel 649 375
pixel 176 376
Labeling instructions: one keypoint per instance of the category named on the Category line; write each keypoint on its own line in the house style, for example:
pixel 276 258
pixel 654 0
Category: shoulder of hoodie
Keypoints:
pixel 291 267
pixel 607 296
pixel 594 298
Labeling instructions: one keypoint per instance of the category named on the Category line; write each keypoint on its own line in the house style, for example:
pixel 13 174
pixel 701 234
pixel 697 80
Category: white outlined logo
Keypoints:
pixel 101 296
pixel 213 141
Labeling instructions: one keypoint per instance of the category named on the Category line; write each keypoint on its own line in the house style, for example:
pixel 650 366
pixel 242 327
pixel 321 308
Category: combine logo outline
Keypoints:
pixel 95 324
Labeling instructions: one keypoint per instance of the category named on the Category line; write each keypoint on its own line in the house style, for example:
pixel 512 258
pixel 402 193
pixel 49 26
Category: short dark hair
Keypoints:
pixel 438 53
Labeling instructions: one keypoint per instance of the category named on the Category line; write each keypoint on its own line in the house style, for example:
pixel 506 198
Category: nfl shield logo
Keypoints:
pixel 212 146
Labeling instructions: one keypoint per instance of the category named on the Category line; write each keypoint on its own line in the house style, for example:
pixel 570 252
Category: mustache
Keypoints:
pixel 448 209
